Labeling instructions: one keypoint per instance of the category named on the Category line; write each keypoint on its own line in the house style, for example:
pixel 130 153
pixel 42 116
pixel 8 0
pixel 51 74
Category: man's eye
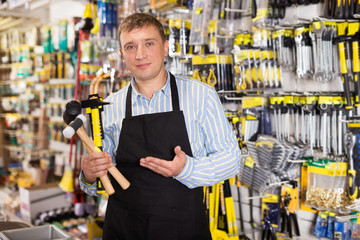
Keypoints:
pixel 149 44
pixel 130 47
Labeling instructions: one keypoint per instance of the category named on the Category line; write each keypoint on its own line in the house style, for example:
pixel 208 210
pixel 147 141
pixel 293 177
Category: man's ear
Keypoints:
pixel 121 55
pixel 166 47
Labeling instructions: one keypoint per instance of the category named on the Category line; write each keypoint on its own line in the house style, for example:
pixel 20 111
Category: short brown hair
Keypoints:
pixel 140 20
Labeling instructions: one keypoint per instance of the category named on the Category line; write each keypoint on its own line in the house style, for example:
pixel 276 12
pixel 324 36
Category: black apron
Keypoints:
pixel 154 207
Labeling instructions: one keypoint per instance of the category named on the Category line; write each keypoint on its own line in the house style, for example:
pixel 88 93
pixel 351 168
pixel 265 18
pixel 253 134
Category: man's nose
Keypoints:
pixel 140 52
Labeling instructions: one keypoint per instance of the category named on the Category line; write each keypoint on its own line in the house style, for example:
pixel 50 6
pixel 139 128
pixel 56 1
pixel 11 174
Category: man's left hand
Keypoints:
pixel 164 167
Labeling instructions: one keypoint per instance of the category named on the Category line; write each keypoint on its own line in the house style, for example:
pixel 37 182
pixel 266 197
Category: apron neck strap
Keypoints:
pixel 174 97
pixel 174 93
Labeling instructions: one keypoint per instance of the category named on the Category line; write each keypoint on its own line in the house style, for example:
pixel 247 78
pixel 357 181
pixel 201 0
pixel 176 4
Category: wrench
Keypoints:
pixel 350 140
pixel 319 28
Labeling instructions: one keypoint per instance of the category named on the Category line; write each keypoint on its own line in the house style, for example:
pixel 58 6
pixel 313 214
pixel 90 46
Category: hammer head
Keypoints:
pixel 72 110
pixel 70 130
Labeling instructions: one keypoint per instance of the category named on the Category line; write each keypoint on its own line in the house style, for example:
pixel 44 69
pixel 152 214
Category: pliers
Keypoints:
pixel 287 217
pixel 268 232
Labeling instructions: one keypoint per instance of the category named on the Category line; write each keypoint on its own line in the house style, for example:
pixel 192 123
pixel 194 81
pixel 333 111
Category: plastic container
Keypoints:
pixel 47 232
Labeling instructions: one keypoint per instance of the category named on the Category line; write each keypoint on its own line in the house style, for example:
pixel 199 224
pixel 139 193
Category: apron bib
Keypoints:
pixel 154 207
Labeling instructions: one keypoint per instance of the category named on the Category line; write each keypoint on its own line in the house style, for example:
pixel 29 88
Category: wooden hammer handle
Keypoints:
pixel 104 179
pixel 123 182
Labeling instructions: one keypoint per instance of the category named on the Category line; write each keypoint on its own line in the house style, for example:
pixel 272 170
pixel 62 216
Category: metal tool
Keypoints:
pixel 289 219
pixel 319 29
pixel 343 55
pixel 350 140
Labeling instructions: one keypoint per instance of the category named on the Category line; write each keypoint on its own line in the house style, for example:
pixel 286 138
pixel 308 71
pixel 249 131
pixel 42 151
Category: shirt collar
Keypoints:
pixel 165 89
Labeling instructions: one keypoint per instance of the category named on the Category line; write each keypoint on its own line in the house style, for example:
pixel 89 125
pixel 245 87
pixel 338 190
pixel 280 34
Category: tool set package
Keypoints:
pixel 215 70
pixel 256 69
pixel 255 118
pixel 268 163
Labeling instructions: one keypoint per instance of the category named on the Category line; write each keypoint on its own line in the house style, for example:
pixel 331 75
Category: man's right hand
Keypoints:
pixel 95 165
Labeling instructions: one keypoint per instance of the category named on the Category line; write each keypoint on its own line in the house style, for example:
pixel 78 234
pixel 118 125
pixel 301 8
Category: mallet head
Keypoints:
pixel 70 130
pixel 72 110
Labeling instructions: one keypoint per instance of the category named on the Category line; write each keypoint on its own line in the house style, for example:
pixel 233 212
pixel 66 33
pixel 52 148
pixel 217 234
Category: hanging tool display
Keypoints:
pixel 340 9
pixel 322 50
pixel 283 43
pixel 289 205
pixel 249 70
pixel 352 146
pixel 332 195
pixel 342 42
pixel 215 70
pixel 316 121
pixel 350 141
pixel 179 32
pixel 304 59
pixel 200 21
pixel 107 17
pixel 355 38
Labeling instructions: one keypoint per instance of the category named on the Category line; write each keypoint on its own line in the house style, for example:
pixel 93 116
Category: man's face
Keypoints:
pixel 144 52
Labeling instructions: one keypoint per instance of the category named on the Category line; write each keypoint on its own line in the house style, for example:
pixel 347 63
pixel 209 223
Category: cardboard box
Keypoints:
pixel 39 199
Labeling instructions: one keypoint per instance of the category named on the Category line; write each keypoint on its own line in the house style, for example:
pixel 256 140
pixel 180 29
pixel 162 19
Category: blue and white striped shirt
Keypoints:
pixel 216 154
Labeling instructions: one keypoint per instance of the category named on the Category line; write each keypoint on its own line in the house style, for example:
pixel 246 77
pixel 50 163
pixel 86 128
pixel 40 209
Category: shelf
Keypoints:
pixel 56 119
pixel 5 65
pixel 31 79
pixel 19 132
pixel 34 79
pixel 4 5
pixel 20 115
pixel 10 95
pixel 13 148
pixel 56 81
pixel 59 146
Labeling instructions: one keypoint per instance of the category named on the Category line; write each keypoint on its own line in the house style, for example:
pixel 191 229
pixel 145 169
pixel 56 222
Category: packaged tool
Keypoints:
pixel 304 60
pixel 271 216
pixel 248 73
pixel 247 171
pixel 355 230
pixel 255 118
pixel 162 5
pixel 330 225
pixel 200 22
pixel 209 202
pixel 321 225
pixel 179 32
pixel 342 230
pixel 327 185
pixel 289 206
pixel 224 226
pixel 215 70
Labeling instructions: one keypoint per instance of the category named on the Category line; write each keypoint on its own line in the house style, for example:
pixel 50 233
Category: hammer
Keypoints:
pixel 73 117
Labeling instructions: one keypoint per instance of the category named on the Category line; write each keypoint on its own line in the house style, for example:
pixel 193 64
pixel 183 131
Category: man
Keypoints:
pixel 168 136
